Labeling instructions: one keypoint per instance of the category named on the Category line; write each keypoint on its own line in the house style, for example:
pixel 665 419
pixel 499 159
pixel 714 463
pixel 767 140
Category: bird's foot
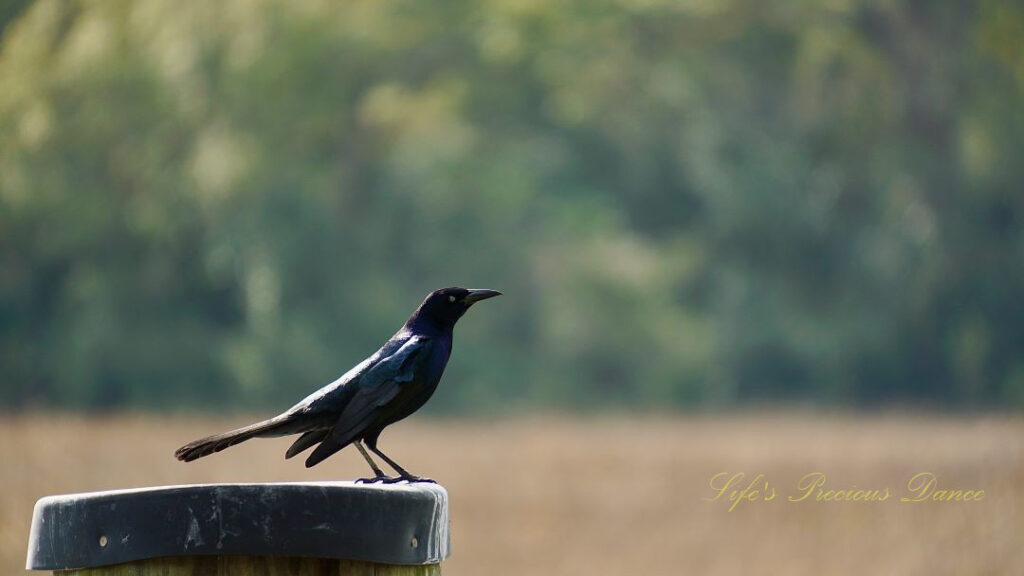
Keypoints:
pixel 375 479
pixel 411 479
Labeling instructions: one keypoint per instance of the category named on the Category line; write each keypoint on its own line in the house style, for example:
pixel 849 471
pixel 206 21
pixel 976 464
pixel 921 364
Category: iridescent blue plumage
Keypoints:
pixel 386 387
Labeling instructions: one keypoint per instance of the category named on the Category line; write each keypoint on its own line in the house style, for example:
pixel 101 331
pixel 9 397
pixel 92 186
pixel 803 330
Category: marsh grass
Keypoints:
pixel 611 495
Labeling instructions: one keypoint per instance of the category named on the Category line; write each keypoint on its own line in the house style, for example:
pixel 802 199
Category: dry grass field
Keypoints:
pixel 599 496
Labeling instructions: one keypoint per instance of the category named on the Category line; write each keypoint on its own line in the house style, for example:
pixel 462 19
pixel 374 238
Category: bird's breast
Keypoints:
pixel 434 367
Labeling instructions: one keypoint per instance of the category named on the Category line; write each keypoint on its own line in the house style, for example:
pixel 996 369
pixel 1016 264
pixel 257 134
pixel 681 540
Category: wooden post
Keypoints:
pixel 301 529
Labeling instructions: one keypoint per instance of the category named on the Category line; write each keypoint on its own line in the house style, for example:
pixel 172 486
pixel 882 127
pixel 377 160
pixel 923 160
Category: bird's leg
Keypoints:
pixel 403 474
pixel 379 475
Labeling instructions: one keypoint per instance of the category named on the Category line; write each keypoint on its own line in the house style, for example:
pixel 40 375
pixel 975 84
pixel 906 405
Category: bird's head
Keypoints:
pixel 444 307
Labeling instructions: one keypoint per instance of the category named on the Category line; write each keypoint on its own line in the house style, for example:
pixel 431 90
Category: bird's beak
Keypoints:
pixel 475 296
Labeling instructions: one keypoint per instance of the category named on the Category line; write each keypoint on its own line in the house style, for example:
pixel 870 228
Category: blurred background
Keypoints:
pixel 764 236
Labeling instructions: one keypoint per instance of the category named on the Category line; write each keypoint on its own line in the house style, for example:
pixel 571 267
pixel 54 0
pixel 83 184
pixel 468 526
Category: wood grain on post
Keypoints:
pixel 301 529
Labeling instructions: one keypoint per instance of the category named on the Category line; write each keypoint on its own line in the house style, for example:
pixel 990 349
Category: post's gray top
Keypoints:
pixel 393 524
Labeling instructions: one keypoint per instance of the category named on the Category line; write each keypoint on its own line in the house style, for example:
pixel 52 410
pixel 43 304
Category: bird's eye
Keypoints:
pixel 451 299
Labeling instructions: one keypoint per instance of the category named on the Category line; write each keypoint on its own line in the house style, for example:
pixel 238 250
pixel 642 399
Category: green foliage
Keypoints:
pixel 686 203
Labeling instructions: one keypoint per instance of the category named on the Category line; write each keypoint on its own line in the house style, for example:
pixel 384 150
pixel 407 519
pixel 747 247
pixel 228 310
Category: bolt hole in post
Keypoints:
pixel 103 541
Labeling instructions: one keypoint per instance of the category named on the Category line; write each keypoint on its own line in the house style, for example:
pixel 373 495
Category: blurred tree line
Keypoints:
pixel 688 202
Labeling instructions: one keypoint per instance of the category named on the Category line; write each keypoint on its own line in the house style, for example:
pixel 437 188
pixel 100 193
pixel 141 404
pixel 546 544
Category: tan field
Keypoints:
pixel 616 495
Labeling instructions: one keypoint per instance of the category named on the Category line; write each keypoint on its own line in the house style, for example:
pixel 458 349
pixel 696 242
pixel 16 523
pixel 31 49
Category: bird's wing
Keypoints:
pixel 378 386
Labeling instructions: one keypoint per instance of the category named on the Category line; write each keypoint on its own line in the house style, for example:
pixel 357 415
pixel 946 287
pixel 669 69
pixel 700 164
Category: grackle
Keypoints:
pixel 379 391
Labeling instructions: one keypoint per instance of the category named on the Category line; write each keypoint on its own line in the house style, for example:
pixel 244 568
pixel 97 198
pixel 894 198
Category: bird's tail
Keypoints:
pixel 206 446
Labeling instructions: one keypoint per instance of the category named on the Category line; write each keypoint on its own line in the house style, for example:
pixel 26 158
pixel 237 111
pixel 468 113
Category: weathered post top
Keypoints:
pixel 399 524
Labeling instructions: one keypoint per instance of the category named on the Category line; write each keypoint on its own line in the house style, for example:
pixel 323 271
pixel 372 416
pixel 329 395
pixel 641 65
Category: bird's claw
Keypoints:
pixel 410 479
pixel 375 479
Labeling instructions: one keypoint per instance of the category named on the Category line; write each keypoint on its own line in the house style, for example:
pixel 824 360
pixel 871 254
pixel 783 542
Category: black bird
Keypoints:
pixel 379 391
